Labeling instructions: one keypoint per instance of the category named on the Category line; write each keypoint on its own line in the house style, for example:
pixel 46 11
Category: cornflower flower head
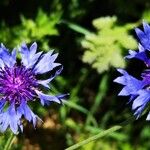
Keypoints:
pixel 138 89
pixel 19 84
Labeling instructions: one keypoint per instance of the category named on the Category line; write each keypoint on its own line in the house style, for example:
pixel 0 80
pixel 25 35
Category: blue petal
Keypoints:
pixel 14 119
pixel 10 118
pixel 142 99
pixel 2 104
pixel 62 96
pixel 132 54
pixel 125 92
pixel 46 99
pixel 14 54
pixel 146 77
pixel 46 82
pixel 146 29
pixel 144 36
pixel 33 49
pixel 29 57
pixel 2 65
pixel 34 59
pixel 141 55
pixel 141 48
pixel 140 102
pixel 24 110
pixel 46 63
pixel 24 54
pixel 148 117
pixel 8 59
pixel 4 121
pixel 132 85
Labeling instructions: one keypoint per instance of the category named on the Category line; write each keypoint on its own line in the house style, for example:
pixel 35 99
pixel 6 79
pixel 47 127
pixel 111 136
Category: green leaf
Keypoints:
pixel 29 30
pixel 104 48
pixel 95 137
pixel 76 27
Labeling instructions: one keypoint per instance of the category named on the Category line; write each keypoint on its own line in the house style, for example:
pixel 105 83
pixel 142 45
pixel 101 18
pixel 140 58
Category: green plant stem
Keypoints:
pixel 95 137
pixel 76 27
pixel 9 142
pixel 99 97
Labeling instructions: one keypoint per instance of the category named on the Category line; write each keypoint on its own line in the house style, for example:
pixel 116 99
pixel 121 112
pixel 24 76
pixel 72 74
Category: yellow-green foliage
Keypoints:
pixel 31 30
pixel 104 48
pixel 146 15
pixel 42 26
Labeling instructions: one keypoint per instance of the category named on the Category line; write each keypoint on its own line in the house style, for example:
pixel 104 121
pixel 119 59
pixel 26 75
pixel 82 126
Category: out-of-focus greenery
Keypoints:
pixel 30 30
pixel 105 47
pixel 93 105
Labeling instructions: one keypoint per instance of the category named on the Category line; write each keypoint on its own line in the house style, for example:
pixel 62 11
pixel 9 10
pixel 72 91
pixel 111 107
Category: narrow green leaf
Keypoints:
pixel 95 137
pixel 75 106
pixel 76 27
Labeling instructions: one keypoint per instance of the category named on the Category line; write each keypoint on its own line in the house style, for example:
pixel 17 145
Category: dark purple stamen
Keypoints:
pixel 17 83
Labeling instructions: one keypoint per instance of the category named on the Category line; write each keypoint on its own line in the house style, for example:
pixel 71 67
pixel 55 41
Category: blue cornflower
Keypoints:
pixel 19 84
pixel 138 89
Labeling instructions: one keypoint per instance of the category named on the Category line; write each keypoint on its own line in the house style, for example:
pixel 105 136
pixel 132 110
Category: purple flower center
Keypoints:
pixel 17 83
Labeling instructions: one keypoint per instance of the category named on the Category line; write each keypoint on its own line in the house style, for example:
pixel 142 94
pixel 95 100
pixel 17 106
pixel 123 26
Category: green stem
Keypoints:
pixel 99 97
pixel 9 142
pixel 102 134
pixel 95 137
pixel 76 27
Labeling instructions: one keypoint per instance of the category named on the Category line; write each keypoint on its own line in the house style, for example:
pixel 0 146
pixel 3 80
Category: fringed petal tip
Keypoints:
pixel 46 63
pixel 131 55
pixel 63 97
pixel 11 119
pixel 46 82
pixel 24 110
pixel 138 115
pixel 144 35
pixel 131 84
pixel 7 58
pixel 46 99
pixel 148 117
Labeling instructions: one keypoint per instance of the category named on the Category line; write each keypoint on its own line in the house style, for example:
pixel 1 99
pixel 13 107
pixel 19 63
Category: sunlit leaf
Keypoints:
pixel 104 48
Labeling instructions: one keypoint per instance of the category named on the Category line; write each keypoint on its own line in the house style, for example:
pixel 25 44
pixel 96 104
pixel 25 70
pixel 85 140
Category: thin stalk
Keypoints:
pixel 9 142
pixel 95 137
pixel 76 27
pixel 99 97
pixel 102 134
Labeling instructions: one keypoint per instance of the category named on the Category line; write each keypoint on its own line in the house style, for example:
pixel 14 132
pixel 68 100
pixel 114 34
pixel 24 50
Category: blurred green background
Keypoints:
pixel 92 38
